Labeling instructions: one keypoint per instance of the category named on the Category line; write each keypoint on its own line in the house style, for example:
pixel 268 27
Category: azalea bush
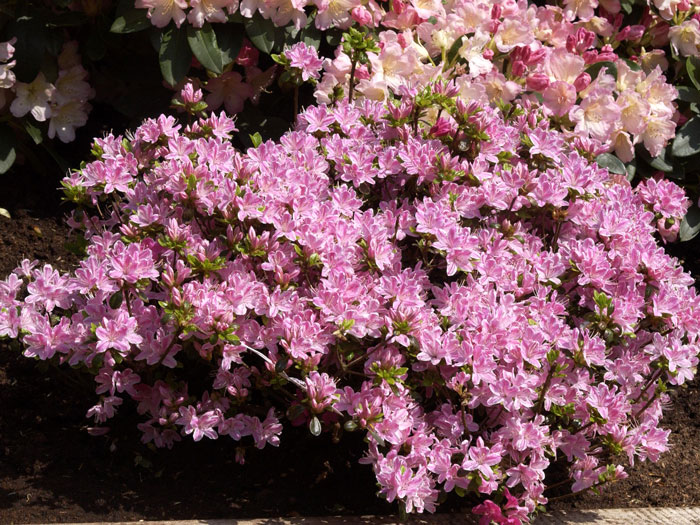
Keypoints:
pixel 464 285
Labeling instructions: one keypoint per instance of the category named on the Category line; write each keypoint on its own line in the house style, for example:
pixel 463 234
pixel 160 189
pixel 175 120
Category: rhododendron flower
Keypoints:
pixel 207 11
pixel 161 12
pixel 596 115
pixel 685 37
pixel 33 97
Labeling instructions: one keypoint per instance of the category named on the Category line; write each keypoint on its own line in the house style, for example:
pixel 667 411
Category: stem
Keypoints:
pixel 352 79
pixel 545 387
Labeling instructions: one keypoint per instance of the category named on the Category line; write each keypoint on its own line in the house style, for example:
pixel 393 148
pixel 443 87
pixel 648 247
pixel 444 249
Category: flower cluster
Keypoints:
pixel 500 52
pixel 470 290
pixel 64 102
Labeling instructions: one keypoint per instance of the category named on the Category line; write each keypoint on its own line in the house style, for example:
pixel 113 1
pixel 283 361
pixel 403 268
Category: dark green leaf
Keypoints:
pixel 454 49
pixel 658 163
pixel 311 36
pixel 264 34
pixel 205 47
pixel 692 66
pixel 350 425
pixel 116 300
pixel 33 132
pixel 175 55
pixel 594 70
pixel 690 226
pixel 687 141
pixel 632 65
pixel 7 149
pixel 69 19
pixel 334 37
pixel 631 170
pixel 129 19
pixel 611 163
pixel 688 94
pixel 230 40
pixel 315 426
pixel 281 365
pixel 32 39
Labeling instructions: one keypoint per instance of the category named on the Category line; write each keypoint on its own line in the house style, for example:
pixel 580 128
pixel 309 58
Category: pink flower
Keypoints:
pixel 118 334
pixel 161 12
pixel 306 59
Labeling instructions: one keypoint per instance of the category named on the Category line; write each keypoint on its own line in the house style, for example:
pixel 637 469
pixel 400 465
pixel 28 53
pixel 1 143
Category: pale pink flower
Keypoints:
pixel 559 97
pixel 34 98
pixel 207 11
pixel 161 12
pixel 596 116
pixel 657 133
pixel 685 38
pixel 581 9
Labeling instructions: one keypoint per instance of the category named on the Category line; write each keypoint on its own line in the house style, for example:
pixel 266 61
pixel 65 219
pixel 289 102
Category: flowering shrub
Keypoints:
pixel 464 286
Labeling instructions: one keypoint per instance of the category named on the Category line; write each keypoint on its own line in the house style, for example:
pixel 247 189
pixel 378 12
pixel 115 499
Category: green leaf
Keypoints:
pixel 611 163
pixel 116 300
pixel 632 65
pixel 315 426
pixel 334 37
pixel 129 19
pixel 688 94
pixel 264 34
pixel 256 139
pixel 594 69
pixel 174 55
pixel 7 149
pixel 33 132
pixel 203 44
pixel 687 141
pixel 32 40
pixel 68 19
pixel 690 226
pixel 230 40
pixel 454 49
pixel 311 36
pixel 692 67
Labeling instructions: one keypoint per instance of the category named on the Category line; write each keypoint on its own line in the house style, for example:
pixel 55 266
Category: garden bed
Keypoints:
pixel 51 470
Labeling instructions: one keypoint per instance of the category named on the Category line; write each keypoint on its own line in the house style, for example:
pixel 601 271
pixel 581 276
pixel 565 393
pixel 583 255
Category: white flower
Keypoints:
pixel 65 118
pixel 33 98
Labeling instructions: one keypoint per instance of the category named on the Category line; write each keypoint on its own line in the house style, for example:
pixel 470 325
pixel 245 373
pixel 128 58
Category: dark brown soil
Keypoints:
pixel 51 470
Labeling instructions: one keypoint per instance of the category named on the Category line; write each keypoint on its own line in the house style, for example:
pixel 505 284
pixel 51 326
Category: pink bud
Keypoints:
pixel 537 82
pixel 582 81
pixel 536 56
pixel 636 32
pixel 496 12
pixel 398 6
pixel 488 54
pixel 403 41
pixel 623 35
pixel 590 57
pixel 361 15
pixel 442 127
pixel 248 55
pixel 519 68
pixel 683 5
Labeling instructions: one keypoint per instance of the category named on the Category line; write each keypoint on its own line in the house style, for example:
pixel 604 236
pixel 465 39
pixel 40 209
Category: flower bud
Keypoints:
pixel 537 82
pixel 582 81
